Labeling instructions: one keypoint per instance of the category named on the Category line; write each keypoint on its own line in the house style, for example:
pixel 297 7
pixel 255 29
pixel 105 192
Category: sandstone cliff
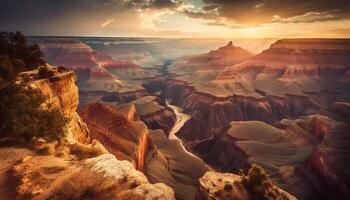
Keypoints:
pixel 99 75
pixel 60 90
pixel 154 113
pixel 119 130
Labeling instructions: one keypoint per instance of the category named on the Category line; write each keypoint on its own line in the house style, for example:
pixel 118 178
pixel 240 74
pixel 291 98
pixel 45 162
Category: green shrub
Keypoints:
pixel 260 186
pixel 25 113
pixel 22 56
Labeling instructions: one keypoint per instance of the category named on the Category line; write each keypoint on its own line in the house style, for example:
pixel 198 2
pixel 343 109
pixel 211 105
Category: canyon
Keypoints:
pixel 188 120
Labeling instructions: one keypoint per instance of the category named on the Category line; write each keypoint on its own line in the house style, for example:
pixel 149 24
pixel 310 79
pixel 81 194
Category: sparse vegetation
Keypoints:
pixel 23 110
pixel 260 185
pixel 25 113
pixel 16 55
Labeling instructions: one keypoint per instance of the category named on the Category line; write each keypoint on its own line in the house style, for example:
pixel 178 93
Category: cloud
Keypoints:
pixel 52 17
pixel 255 12
pixel 107 22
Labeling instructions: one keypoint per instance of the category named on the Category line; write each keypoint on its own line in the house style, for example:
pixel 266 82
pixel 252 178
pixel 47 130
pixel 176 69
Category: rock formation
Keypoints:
pixel 60 91
pixel 99 75
pixel 154 113
pixel 168 163
pixel 51 177
pixel 290 79
pixel 285 81
pixel 220 186
pixel 215 185
pixel 316 140
pixel 119 130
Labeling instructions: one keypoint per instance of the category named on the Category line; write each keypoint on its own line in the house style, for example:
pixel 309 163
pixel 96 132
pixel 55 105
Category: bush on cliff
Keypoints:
pixel 16 55
pixel 23 111
pixel 260 186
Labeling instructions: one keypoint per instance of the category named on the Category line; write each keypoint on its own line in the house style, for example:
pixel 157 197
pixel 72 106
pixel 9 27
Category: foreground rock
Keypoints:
pixel 50 177
pixel 219 186
pixel 255 186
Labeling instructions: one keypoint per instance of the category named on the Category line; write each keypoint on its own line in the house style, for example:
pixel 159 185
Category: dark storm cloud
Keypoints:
pixel 265 11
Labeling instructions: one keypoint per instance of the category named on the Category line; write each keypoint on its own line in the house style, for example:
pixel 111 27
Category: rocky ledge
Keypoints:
pixel 61 92
pixel 73 172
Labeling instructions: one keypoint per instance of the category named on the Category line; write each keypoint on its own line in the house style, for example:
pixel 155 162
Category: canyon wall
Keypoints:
pixel 290 79
pixel 61 92
pixel 119 130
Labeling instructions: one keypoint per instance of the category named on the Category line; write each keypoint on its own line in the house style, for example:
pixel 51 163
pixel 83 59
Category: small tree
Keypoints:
pixel 24 111
pixel 258 183
pixel 15 45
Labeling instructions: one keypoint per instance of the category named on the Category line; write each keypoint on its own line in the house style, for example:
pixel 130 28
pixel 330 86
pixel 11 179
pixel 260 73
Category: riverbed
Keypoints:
pixel 181 119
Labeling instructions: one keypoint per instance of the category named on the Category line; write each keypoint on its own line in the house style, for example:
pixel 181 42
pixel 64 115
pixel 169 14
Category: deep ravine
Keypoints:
pixel 181 119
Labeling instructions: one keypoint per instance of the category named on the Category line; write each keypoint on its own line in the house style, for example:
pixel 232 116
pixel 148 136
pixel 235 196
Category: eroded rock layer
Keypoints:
pixel 119 130
pixel 308 158
pixel 61 92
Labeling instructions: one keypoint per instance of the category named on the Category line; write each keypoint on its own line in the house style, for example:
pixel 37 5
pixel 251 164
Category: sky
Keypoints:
pixel 178 18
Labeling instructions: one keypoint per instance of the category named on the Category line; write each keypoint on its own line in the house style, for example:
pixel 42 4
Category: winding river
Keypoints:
pixel 181 119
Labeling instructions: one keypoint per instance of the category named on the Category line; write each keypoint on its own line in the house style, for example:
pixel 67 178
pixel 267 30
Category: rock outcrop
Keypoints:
pixel 101 177
pixel 219 186
pixel 154 113
pixel 119 130
pixel 61 92
pixel 224 56
pixel 222 186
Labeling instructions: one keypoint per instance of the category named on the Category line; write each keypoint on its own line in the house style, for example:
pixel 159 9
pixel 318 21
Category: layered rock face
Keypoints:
pixel 119 130
pixel 202 68
pixel 60 91
pixel 154 113
pixel 292 78
pixel 307 159
pixel 222 57
pixel 330 161
pixel 169 163
pixel 77 55
pixel 301 67
pixel 99 75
